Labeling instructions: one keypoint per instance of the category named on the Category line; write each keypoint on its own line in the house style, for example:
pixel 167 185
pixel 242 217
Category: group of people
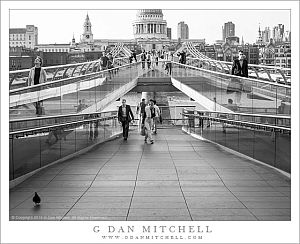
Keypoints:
pixel 149 115
pixel 107 61
pixel 132 56
pixel 149 58
pixel 182 57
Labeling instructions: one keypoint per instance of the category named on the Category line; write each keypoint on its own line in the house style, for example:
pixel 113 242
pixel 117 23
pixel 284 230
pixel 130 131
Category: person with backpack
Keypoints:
pixel 149 116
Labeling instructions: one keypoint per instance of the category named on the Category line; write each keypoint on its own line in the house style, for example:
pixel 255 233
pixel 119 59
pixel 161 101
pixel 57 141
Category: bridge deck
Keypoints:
pixel 176 178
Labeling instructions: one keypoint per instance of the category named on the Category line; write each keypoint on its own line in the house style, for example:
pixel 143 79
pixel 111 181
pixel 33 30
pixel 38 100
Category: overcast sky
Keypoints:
pixel 58 26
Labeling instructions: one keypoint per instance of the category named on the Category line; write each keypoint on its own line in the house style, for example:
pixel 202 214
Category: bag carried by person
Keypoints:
pixel 160 119
pixel 152 112
pixel 143 131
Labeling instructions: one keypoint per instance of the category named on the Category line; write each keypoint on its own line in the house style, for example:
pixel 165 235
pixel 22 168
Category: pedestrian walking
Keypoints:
pixel 143 59
pixel 37 75
pixel 239 68
pixel 125 116
pixel 134 55
pixel 169 63
pixel 110 64
pixel 141 111
pixel 104 61
pixel 150 114
pixel 149 60
pixel 156 119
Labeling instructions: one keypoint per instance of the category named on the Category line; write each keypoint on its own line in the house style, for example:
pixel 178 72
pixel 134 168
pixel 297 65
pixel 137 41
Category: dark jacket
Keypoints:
pixel 238 70
pixel 129 114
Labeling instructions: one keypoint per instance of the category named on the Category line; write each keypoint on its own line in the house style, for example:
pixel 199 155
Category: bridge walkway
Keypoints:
pixel 177 178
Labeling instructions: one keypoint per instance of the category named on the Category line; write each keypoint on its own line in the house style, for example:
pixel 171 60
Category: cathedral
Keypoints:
pixel 149 31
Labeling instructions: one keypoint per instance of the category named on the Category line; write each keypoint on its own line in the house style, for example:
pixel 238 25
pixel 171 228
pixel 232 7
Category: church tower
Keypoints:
pixel 87 35
pixel 73 44
pixel 259 38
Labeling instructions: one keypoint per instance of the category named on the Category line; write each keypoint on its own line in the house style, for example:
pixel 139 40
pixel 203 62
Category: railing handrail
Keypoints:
pixel 249 65
pixel 60 125
pixel 244 114
pixel 59 116
pixel 65 79
pixel 61 66
pixel 83 114
pixel 239 121
pixel 234 76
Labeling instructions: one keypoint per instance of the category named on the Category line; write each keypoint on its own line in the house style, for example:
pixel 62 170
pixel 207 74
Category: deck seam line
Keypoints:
pixel 179 182
pixel 90 183
pixel 136 179
pixel 226 185
pixel 40 188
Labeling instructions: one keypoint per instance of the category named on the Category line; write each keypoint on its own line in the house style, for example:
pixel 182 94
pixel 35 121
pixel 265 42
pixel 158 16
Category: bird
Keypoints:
pixel 36 199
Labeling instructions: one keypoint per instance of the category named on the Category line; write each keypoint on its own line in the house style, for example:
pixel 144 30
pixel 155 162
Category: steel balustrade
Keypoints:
pixel 254 121
pixel 262 87
pixel 18 78
pixel 260 72
pixel 260 137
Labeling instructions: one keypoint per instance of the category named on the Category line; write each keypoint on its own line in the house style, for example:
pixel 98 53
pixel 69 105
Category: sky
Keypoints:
pixel 58 26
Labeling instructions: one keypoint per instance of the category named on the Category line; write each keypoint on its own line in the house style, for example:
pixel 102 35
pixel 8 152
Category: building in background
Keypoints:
pixel 182 31
pixel 169 33
pixel 55 58
pixel 267 54
pixel 287 36
pixel 228 30
pixel 87 35
pixel 150 32
pixel 53 48
pixel 22 58
pixel 232 40
pixel 259 40
pixel 228 51
pixel 23 37
pixel 283 55
pixel 278 33
pixel 150 29
pixel 266 35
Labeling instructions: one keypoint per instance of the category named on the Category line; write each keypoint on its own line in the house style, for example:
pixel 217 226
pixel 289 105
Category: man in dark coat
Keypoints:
pixel 125 115
pixel 240 66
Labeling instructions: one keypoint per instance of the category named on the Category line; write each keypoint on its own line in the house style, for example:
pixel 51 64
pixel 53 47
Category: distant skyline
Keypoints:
pixel 58 26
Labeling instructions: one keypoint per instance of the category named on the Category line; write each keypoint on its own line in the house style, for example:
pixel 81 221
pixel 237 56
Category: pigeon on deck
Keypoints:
pixel 36 199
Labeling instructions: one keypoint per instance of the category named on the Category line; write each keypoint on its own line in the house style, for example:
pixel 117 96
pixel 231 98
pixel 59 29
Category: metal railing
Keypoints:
pixel 70 95
pixel 261 137
pixel 234 92
pixel 50 139
pixel 18 78
pixel 260 72
pixel 37 142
